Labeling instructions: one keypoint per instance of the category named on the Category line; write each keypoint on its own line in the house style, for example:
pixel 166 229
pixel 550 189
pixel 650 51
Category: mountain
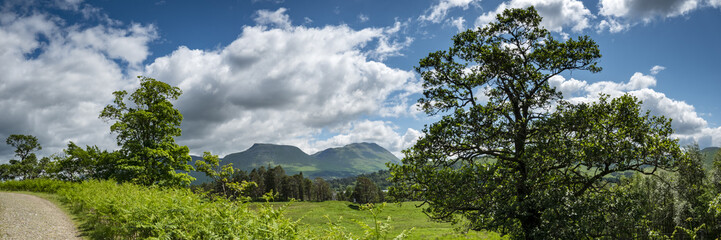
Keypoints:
pixel 708 155
pixel 350 160
pixel 290 157
pixel 354 159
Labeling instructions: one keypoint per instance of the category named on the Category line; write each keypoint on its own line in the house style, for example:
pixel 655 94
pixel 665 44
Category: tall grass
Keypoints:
pixel 126 211
pixel 108 210
pixel 35 185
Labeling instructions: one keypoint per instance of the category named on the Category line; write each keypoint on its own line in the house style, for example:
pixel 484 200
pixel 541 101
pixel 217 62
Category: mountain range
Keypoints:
pixel 350 160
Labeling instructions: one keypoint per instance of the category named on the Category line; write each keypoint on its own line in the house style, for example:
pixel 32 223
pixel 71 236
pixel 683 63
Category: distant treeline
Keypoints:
pixel 265 180
pixel 379 178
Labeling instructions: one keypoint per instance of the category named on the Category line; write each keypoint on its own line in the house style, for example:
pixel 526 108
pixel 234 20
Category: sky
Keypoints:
pixel 326 73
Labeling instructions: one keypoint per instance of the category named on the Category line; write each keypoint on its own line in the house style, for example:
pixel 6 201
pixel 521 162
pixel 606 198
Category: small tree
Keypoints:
pixel 210 165
pixel 365 191
pixel 25 146
pixel 146 129
pixel 322 191
pixel 27 166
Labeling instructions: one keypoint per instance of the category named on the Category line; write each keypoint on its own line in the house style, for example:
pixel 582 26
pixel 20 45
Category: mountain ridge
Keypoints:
pixel 350 160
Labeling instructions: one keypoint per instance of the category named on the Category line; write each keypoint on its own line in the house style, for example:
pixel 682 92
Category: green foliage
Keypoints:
pixel 146 129
pixel 24 145
pixel 35 185
pixel 274 179
pixel 321 190
pixel 365 191
pixel 27 166
pixel 715 174
pixel 210 165
pixel 80 164
pixel 126 211
pixel 715 206
pixel 379 178
pixel 510 163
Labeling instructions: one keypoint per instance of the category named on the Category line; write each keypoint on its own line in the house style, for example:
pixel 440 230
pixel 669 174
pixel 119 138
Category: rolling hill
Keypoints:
pixel 708 155
pixel 350 160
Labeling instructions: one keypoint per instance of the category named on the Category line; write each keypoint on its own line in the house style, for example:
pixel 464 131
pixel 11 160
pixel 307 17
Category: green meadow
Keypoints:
pixel 406 216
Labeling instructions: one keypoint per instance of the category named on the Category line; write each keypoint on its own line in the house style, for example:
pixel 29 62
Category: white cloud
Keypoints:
pixel 286 85
pixel 714 3
pixel 388 45
pixel 437 13
pixel 646 9
pixel 363 18
pixel 129 45
pixel 689 127
pixel 557 14
pixel 656 69
pixel 613 26
pixel 639 81
pixel 277 18
pixel 56 78
pixel 623 14
pixel 458 23
pixel 275 83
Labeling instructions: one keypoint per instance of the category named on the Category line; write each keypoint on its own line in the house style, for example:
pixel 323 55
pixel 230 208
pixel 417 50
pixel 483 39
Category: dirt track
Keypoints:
pixel 25 216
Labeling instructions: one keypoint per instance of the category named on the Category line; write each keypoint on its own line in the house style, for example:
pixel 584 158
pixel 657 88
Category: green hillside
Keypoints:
pixel 291 158
pixel 708 155
pixel 353 159
pixel 350 160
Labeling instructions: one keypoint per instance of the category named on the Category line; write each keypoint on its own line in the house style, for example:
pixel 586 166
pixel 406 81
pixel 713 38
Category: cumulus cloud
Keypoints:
pixel 275 83
pixel 286 85
pixel 612 25
pixel 646 9
pixel 458 23
pixel 277 18
pixel 558 15
pixel 656 69
pixel 437 13
pixel 57 78
pixel 714 3
pixel 622 14
pixel 689 127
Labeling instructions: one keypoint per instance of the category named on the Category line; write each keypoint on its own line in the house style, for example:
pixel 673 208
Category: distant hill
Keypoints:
pixel 290 157
pixel 353 159
pixel 350 160
pixel 708 155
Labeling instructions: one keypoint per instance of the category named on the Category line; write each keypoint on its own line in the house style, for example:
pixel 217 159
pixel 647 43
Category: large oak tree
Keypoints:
pixel 509 154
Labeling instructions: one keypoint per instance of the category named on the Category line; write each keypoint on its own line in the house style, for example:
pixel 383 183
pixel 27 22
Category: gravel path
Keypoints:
pixel 25 216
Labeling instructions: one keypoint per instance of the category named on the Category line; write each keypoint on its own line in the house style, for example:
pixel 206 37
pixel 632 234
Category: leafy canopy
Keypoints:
pixel 25 146
pixel 27 166
pixel 146 129
pixel 509 154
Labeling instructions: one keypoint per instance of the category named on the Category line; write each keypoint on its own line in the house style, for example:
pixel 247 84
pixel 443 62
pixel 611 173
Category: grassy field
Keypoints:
pixel 403 217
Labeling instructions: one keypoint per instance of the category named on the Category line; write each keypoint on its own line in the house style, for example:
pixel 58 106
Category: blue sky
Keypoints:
pixel 319 74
